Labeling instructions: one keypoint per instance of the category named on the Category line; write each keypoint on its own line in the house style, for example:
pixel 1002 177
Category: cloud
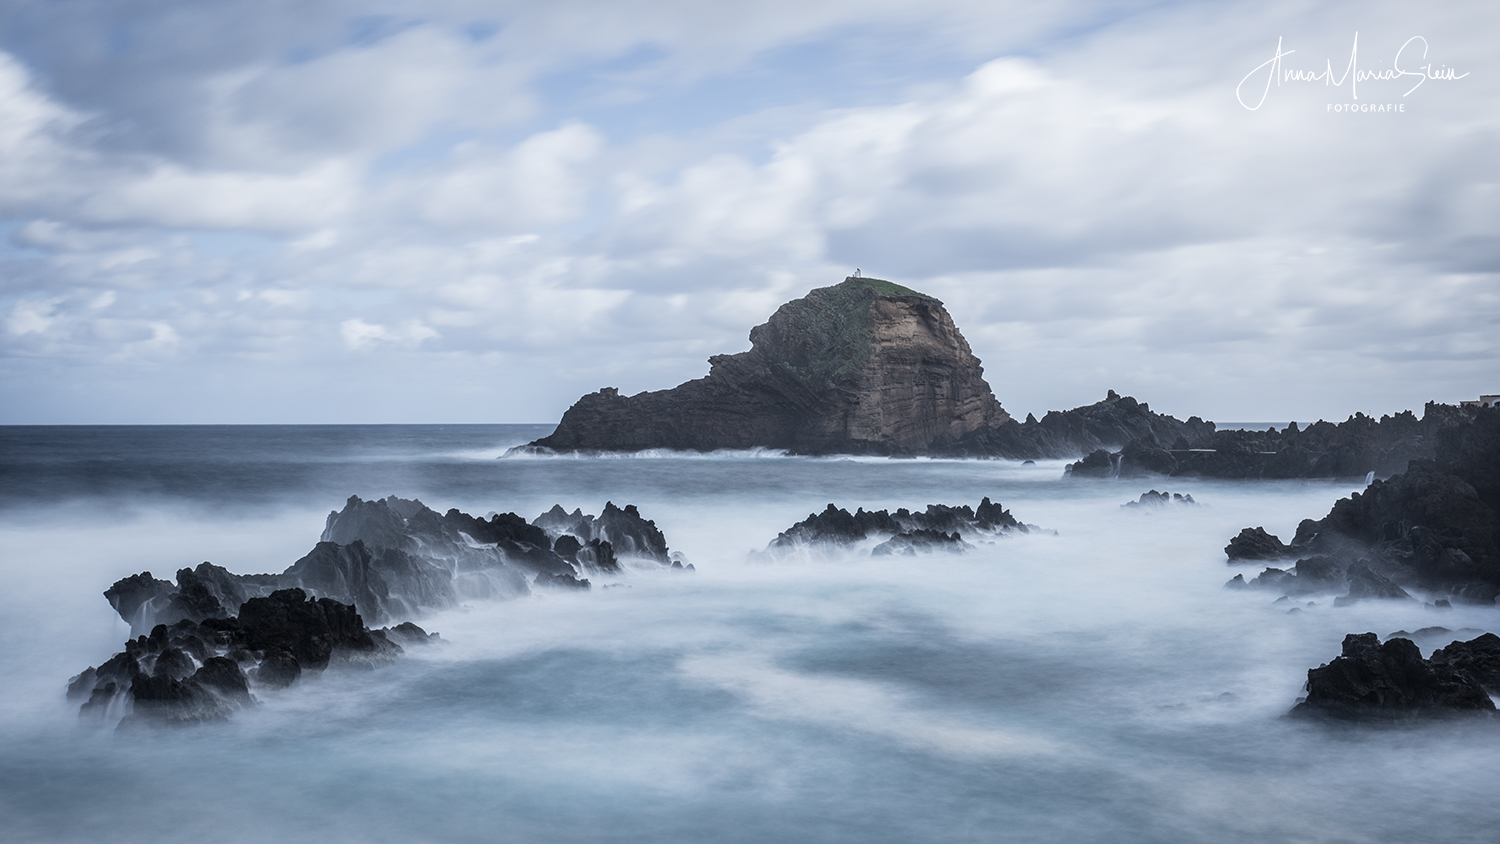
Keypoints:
pixel 571 195
pixel 359 334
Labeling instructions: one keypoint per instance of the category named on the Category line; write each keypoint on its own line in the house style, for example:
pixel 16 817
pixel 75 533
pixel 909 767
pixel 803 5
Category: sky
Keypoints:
pixel 465 212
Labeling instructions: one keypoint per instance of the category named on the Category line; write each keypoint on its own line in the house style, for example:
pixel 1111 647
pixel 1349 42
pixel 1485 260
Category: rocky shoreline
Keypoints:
pixel 203 644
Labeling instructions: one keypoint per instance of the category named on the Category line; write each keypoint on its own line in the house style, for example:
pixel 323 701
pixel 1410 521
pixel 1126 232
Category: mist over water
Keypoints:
pixel 1094 685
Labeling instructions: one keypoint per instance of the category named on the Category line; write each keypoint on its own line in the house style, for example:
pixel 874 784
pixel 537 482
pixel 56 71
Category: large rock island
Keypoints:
pixel 865 366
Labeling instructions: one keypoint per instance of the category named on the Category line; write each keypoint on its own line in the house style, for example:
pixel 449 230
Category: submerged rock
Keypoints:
pixel 1255 544
pixel 193 672
pixel 1374 682
pixel 923 541
pixel 395 559
pixel 1153 500
pixel 939 527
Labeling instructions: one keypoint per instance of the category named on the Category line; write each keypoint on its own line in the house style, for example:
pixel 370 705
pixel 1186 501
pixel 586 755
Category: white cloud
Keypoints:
pixel 359 334
pixel 599 194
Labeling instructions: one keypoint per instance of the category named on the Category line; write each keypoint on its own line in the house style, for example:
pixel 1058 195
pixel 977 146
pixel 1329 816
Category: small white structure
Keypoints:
pixel 1484 401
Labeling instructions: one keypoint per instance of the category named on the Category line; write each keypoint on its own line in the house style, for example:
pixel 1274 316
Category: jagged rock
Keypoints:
pixel 168 700
pixel 1098 464
pixel 1390 682
pixel 276 637
pixel 920 541
pixel 395 559
pixel 1255 544
pixel 863 366
pixel 1144 457
pixel 1478 657
pixel 224 677
pixel 1156 500
pixel 278 670
pixel 310 630
pixel 408 634
pixel 136 597
pixel 567 547
pixel 560 581
pixel 1434 527
pixel 1365 583
pixel 904 531
pixel 173 663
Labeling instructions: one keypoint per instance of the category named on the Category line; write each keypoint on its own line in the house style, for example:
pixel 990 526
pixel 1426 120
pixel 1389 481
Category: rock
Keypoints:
pixel 1371 682
pixel 1365 583
pixel 1478 657
pixel 1153 500
pixel 904 532
pixel 278 670
pixel 190 672
pixel 408 634
pixel 1142 457
pixel 173 663
pixel 865 366
pixel 395 559
pixel 920 541
pixel 560 581
pixel 224 677
pixel 1434 527
pixel 136 598
pixel 567 547
pixel 1255 544
pixel 310 630
pixel 1098 464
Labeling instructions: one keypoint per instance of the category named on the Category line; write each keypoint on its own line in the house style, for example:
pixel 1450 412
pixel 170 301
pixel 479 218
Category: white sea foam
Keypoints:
pixel 1094 685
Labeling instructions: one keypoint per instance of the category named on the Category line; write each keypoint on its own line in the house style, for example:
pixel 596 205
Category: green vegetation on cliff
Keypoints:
pixel 832 326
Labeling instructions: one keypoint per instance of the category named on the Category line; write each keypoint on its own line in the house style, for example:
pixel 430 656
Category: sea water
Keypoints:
pixel 1096 684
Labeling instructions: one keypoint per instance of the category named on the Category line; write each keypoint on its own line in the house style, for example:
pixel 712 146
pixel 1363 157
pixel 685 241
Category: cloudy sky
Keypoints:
pixel 454 211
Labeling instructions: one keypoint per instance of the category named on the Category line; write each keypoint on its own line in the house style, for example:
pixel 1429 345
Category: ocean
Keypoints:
pixel 1096 684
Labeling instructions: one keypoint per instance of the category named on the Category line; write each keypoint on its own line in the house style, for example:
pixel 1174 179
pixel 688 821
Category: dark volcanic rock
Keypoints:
pixel 1153 500
pixel 561 581
pixel 168 700
pixel 1478 657
pixel 136 599
pixel 1390 682
pixel 863 366
pixel 310 630
pixel 1098 464
pixel 1366 583
pixel 1146 457
pixel 225 677
pixel 394 559
pixel 278 670
pixel 920 541
pixel 157 679
pixel 1255 544
pixel 938 527
pixel 1434 527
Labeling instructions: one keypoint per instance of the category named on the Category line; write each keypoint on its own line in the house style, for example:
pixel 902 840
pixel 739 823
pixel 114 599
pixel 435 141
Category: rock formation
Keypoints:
pixel 1434 527
pixel 904 533
pixel 866 366
pixel 1376 682
pixel 395 559
pixel 1352 448
pixel 196 671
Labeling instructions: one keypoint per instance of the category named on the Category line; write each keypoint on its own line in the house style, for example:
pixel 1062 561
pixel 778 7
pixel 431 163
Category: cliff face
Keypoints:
pixel 863 366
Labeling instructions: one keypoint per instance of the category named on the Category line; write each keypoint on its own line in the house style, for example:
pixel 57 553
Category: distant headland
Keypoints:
pixel 867 366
